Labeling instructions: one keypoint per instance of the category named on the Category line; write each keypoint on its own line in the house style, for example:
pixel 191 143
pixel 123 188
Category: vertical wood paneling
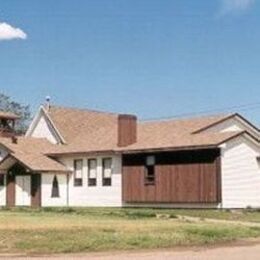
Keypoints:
pixel 180 177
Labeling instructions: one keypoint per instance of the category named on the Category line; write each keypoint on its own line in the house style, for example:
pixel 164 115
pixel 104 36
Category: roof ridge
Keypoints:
pixel 218 133
pixel 82 110
pixel 223 115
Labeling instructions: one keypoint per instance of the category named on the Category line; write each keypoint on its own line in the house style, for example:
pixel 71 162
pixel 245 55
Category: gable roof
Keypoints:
pixel 88 131
pixel 54 131
pixel 30 152
pixel 189 142
pixel 83 130
pixel 76 124
pixel 180 134
pixel 235 115
pixel 185 125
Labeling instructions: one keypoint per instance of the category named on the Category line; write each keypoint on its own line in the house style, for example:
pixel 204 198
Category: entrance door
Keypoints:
pixel 23 190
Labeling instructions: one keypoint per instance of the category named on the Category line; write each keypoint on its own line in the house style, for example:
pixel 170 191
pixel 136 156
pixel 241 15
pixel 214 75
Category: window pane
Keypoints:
pixel 150 170
pixel 77 182
pixel 92 172
pixel 92 168
pixel 107 182
pixel 107 171
pixel 78 169
pixel 107 163
pixel 150 160
pixel 107 168
pixel 93 164
pixel 55 193
pixel 150 175
pixel 92 182
pixel 78 172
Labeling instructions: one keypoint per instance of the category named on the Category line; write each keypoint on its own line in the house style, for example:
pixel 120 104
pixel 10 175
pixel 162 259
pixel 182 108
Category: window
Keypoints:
pixel 55 193
pixel 149 170
pixel 2 180
pixel 78 172
pixel 92 172
pixel 107 171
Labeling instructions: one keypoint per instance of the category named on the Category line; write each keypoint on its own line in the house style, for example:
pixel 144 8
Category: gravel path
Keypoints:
pixel 234 252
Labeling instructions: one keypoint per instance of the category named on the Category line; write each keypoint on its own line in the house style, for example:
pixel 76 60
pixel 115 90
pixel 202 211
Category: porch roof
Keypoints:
pixel 30 153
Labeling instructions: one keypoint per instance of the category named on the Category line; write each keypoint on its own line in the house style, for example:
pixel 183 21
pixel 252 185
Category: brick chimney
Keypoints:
pixel 14 139
pixel 127 130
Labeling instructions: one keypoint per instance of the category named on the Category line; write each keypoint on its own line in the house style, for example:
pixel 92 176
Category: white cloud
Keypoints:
pixel 8 32
pixel 235 6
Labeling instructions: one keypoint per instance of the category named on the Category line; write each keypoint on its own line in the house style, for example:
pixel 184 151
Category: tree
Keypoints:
pixel 8 105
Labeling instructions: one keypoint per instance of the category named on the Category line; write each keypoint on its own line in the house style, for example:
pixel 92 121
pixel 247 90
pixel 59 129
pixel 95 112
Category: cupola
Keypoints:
pixel 7 124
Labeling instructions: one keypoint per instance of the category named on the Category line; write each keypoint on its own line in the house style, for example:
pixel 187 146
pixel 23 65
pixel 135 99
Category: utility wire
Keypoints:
pixel 244 107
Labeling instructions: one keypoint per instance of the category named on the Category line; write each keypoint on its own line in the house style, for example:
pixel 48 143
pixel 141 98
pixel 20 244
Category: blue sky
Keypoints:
pixel 148 57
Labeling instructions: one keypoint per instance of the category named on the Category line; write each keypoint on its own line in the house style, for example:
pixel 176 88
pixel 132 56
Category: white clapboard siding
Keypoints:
pixel 95 195
pixel 240 174
pixel 47 200
pixel 44 130
pixel 3 153
pixel 23 190
pixel 232 124
pixel 3 194
pixel 228 125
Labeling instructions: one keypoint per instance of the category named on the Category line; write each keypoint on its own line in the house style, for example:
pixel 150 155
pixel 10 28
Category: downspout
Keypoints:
pixel 67 189
pixel 221 148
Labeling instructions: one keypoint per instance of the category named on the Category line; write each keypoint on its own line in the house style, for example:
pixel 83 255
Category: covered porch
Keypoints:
pixel 21 185
pixel 21 180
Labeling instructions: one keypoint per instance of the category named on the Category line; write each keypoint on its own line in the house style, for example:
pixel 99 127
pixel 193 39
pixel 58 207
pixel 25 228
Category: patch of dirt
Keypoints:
pixel 240 250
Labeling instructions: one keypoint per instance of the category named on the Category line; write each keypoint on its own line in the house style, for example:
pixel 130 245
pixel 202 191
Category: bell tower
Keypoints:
pixel 7 124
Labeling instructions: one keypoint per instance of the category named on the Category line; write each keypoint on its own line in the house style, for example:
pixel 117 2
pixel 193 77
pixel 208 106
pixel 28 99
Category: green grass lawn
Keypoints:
pixel 96 229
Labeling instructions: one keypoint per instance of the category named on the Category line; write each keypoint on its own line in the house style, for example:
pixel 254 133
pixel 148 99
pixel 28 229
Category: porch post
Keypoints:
pixel 10 190
pixel 36 190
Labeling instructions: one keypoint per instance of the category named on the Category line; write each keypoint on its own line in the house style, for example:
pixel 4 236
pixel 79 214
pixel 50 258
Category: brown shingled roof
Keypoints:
pixel 30 152
pixel 75 125
pixel 91 131
pixel 185 125
pixel 186 141
pixel 88 131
